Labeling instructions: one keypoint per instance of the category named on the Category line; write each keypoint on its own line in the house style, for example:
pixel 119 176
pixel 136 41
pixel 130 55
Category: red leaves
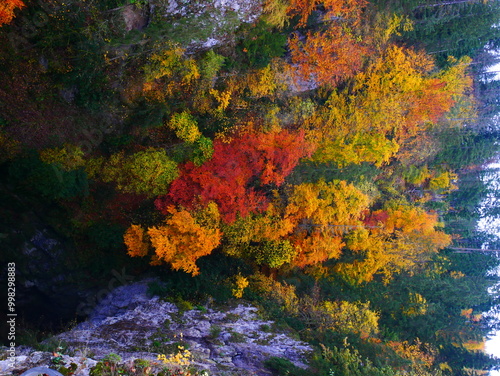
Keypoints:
pixel 236 176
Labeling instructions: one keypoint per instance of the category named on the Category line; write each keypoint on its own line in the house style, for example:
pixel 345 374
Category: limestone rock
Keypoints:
pixel 135 326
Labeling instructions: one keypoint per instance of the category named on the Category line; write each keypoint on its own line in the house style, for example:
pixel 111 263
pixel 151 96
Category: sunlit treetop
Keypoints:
pixel 7 9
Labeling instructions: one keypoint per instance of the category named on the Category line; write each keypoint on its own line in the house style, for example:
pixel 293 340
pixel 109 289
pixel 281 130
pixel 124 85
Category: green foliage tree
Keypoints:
pixel 146 172
pixel 49 180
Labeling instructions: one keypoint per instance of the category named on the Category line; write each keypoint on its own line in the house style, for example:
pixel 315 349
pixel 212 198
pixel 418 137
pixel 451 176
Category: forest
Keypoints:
pixel 327 161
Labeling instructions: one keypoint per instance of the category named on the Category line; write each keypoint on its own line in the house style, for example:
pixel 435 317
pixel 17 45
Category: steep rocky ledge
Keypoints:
pixel 135 326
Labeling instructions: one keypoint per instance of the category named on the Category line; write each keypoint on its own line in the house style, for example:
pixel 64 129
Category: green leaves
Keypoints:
pixel 146 172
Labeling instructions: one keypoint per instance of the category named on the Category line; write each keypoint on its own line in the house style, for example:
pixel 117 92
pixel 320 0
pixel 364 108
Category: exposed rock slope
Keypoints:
pixel 131 324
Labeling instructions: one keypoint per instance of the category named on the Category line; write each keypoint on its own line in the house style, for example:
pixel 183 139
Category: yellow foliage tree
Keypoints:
pixel 185 127
pixel 167 72
pixel 405 237
pixel 388 105
pixel 69 157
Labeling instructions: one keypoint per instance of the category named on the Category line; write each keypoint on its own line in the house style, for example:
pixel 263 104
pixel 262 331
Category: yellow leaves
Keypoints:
pixel 475 346
pixel 361 147
pixel 349 317
pixel 456 77
pixel 384 26
pixel 267 231
pixel 69 157
pixel 456 274
pixel 323 212
pixel 336 203
pixel 275 12
pixel 167 72
pixel 180 360
pixel 398 23
pixel 170 62
pixel 185 127
pixel 389 104
pixel 282 293
pixel 362 271
pixel 241 283
pixel 443 181
pixel 395 239
pixel 270 226
pixel 146 172
pixel 314 221
pixel 222 97
pixel 266 82
pixel 417 305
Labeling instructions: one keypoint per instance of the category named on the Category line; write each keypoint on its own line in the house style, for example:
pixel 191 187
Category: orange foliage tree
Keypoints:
pixel 7 9
pixel 323 212
pixel 180 241
pixel 335 9
pixel 304 227
pixel 335 53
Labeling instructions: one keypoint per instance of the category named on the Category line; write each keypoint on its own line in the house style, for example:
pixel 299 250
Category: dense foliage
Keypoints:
pixel 325 160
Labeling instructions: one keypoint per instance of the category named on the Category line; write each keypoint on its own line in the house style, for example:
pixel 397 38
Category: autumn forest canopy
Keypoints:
pixel 328 161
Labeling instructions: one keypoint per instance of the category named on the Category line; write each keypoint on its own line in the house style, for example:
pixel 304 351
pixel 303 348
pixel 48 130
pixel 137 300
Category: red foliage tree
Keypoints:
pixel 237 172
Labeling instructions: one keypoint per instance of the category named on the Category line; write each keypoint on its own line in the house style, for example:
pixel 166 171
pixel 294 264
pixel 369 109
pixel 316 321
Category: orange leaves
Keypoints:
pixel 313 222
pixel 304 8
pixel 335 9
pixel 421 355
pixel 331 55
pixel 7 9
pixel 408 219
pixel 316 248
pixel 182 240
pixel 135 240
pixel 327 57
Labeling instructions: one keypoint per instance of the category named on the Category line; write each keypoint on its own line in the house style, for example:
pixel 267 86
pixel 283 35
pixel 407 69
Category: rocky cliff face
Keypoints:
pixel 135 326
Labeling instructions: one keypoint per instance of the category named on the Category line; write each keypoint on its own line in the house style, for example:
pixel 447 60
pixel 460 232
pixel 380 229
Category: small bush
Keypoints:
pixel 280 366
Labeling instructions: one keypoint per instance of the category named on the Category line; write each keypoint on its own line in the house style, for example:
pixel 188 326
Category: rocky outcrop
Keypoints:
pixel 204 24
pixel 135 326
